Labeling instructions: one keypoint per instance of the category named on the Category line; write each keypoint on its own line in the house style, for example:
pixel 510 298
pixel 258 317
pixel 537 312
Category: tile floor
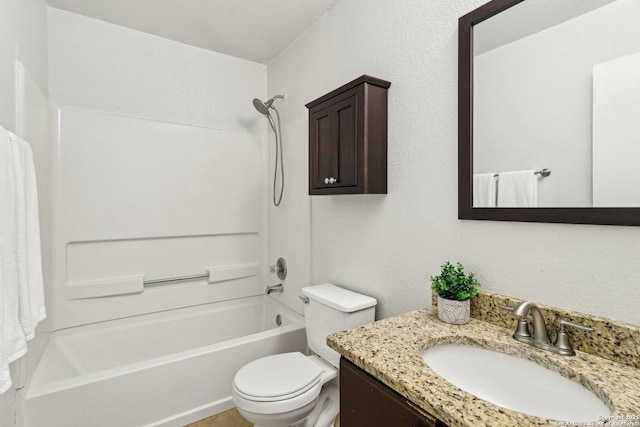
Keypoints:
pixel 232 418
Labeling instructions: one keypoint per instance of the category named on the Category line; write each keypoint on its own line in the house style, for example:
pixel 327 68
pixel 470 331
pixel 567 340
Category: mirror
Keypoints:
pixel 555 86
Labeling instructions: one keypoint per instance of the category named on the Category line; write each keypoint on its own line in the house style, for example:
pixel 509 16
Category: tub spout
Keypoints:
pixel 274 288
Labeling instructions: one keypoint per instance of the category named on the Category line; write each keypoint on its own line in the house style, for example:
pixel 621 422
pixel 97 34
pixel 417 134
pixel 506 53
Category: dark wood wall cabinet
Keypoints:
pixel 365 401
pixel 348 139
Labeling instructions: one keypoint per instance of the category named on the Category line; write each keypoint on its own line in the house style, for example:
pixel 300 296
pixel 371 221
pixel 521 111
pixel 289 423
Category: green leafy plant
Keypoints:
pixel 453 283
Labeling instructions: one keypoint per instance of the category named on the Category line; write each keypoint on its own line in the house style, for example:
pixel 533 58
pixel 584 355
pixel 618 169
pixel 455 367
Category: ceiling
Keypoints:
pixel 256 30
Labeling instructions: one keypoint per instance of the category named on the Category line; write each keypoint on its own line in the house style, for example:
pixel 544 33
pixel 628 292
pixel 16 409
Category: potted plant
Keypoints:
pixel 455 290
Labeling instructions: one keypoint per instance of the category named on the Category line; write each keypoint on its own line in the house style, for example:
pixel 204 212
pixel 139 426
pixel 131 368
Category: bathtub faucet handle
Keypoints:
pixel 280 268
pixel 274 288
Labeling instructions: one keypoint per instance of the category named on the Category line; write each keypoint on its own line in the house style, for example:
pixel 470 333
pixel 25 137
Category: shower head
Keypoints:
pixel 263 107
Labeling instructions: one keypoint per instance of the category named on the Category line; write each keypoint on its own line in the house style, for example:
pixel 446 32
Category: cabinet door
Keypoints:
pixel 346 135
pixel 364 401
pixel 335 136
pixel 324 147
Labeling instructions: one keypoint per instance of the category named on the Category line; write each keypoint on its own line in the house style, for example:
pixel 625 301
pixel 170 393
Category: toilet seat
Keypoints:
pixel 279 383
pixel 277 377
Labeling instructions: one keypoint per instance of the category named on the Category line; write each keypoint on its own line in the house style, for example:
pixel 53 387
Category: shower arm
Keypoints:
pixel 283 97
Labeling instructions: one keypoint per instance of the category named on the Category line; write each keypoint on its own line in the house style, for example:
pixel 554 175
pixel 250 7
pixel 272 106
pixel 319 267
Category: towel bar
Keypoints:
pixel 175 279
pixel 542 172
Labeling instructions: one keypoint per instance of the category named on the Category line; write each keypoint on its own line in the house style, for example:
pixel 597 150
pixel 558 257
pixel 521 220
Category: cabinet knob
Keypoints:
pixel 331 180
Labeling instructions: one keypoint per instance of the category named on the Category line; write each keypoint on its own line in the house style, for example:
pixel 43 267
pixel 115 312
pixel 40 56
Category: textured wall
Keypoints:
pixel 388 246
pixel 99 66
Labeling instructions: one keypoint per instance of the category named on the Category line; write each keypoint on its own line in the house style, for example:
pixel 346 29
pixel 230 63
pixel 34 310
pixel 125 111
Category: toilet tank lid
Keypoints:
pixel 338 298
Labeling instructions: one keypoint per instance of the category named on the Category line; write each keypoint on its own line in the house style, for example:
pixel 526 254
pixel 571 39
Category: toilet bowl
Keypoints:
pixel 293 389
pixel 283 389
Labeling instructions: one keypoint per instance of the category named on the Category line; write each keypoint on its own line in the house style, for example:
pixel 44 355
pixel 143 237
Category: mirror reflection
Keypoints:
pixel 556 86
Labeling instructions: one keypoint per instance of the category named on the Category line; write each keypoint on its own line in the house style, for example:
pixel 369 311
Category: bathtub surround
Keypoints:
pixel 152 200
pixel 171 181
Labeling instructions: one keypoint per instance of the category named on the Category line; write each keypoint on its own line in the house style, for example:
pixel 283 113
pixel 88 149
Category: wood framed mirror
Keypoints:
pixel 584 185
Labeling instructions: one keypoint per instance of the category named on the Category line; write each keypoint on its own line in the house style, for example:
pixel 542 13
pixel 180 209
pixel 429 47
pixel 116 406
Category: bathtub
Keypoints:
pixel 162 369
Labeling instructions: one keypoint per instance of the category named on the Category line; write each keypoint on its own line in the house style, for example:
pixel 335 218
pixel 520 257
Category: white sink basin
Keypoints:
pixel 515 383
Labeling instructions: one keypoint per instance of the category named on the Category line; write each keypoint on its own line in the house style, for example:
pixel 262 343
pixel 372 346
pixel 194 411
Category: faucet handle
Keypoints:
pixel 562 340
pixel 564 323
pixel 522 333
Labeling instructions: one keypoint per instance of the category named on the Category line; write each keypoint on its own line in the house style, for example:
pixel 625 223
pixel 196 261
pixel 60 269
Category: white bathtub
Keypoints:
pixel 163 369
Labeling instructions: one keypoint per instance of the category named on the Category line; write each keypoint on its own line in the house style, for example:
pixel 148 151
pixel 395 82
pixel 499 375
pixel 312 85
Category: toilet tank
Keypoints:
pixel 331 309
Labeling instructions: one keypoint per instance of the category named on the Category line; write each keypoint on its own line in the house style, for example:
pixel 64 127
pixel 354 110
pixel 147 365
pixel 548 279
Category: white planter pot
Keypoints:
pixel 454 312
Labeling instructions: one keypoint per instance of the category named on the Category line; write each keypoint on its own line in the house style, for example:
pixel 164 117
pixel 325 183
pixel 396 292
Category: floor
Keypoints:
pixel 232 418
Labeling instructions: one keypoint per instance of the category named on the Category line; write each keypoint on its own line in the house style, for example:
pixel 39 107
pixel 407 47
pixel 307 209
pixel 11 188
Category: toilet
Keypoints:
pixel 293 389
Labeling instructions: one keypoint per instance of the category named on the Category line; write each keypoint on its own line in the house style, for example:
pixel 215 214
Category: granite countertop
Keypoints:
pixel 391 351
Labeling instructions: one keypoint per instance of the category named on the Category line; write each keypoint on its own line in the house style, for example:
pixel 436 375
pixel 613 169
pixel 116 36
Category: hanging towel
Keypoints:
pixel 13 343
pixel 29 257
pixel 21 293
pixel 484 190
pixel 518 189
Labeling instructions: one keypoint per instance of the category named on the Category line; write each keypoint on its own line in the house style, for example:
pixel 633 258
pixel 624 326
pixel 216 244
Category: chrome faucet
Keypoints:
pixel 274 288
pixel 540 338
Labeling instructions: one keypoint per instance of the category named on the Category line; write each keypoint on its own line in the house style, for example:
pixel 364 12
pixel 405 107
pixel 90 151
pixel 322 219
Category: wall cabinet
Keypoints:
pixel 348 139
pixel 365 401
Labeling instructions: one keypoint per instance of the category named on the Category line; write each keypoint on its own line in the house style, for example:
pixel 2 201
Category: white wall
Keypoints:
pixel 388 246
pixel 23 109
pixel 159 170
pixel 616 108
pixel 547 78
pixel 99 66
pixel 289 236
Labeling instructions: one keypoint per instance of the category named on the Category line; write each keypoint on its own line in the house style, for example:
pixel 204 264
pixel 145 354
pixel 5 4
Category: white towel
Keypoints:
pixel 518 189
pixel 21 292
pixel 12 340
pixel 484 190
pixel 29 253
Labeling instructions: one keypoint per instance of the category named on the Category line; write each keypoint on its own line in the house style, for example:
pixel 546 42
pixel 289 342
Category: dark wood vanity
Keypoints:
pixel 365 401
pixel 348 139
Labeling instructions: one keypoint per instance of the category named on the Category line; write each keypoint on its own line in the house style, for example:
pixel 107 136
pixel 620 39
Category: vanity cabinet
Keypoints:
pixel 348 139
pixel 365 401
